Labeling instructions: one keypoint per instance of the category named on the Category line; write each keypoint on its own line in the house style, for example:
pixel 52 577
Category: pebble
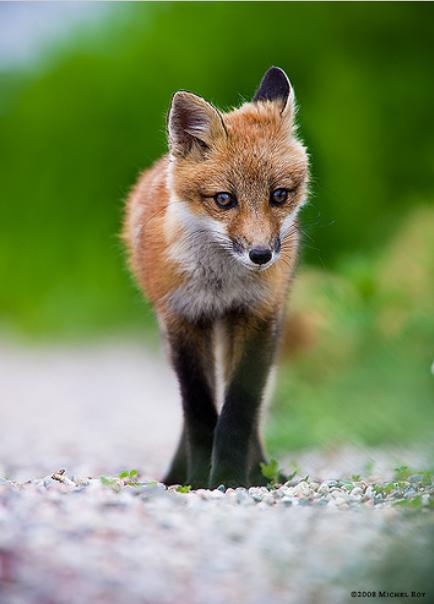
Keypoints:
pixel 302 489
pixel 324 487
pixel 268 499
pixel 197 535
pixel 415 478
pixel 73 544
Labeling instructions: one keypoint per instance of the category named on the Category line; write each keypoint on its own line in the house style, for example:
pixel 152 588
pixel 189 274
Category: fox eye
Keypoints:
pixel 225 201
pixel 279 197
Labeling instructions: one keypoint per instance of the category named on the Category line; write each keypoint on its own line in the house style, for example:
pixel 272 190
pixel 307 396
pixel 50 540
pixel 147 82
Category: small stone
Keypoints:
pixel 82 481
pixel 337 493
pixel 202 493
pixel 216 494
pixel 289 483
pixel 59 475
pixel 302 489
pixel 332 483
pixel 268 499
pixel 262 505
pixel 369 493
pixel 356 491
pixel 148 490
pixel 242 496
pixel 286 501
pixel 415 478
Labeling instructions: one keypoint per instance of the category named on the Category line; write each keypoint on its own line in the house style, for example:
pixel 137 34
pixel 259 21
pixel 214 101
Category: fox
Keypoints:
pixel 212 236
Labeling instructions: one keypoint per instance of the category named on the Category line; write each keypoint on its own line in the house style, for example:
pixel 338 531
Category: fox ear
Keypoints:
pixel 275 86
pixel 193 123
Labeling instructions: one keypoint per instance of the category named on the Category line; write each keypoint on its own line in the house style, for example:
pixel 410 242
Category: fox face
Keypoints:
pixel 237 180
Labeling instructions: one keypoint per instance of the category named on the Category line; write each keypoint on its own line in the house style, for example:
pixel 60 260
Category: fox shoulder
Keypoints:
pixel 143 228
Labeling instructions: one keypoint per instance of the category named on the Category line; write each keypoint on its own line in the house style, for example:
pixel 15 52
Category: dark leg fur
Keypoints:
pixel 193 360
pixel 236 446
pixel 177 473
pixel 256 457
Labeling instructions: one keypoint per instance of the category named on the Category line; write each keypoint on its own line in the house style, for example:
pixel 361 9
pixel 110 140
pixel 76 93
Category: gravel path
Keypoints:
pixel 66 538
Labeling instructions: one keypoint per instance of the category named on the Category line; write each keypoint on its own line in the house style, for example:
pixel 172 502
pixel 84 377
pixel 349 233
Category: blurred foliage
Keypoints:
pixel 78 127
pixel 367 333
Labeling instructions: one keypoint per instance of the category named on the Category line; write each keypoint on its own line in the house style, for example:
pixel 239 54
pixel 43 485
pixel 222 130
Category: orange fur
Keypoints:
pixel 260 152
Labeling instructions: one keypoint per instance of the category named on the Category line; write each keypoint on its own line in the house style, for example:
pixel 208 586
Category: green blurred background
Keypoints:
pixel 82 118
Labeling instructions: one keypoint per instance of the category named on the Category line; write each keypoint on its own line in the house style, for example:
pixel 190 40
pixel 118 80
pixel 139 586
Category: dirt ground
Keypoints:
pixel 71 538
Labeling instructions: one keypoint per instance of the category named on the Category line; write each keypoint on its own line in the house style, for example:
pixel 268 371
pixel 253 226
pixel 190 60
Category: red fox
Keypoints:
pixel 212 234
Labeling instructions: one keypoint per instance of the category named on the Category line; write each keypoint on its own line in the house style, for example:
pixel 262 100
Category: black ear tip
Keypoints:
pixel 274 85
pixel 275 71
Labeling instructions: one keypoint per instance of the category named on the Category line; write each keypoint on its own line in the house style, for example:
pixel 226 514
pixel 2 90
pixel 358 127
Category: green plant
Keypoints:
pixel 186 488
pixel 271 471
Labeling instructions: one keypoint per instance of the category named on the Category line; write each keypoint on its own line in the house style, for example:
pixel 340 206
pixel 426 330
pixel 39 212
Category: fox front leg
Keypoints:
pixel 256 458
pixel 193 360
pixel 236 444
pixel 177 472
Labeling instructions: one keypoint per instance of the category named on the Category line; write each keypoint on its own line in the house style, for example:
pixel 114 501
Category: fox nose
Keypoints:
pixel 260 255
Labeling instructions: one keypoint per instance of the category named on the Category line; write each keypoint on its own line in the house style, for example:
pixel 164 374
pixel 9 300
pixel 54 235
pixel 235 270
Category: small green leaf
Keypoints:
pixel 427 477
pixel 270 470
pixel 402 473
pixel 413 503
pixel 388 487
pixel 183 488
pixel 128 474
pixel 355 477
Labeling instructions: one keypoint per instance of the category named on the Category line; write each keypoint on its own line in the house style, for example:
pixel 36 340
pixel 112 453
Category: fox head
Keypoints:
pixel 240 176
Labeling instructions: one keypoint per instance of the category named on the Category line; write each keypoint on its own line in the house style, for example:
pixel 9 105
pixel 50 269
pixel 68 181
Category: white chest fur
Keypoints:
pixel 214 280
